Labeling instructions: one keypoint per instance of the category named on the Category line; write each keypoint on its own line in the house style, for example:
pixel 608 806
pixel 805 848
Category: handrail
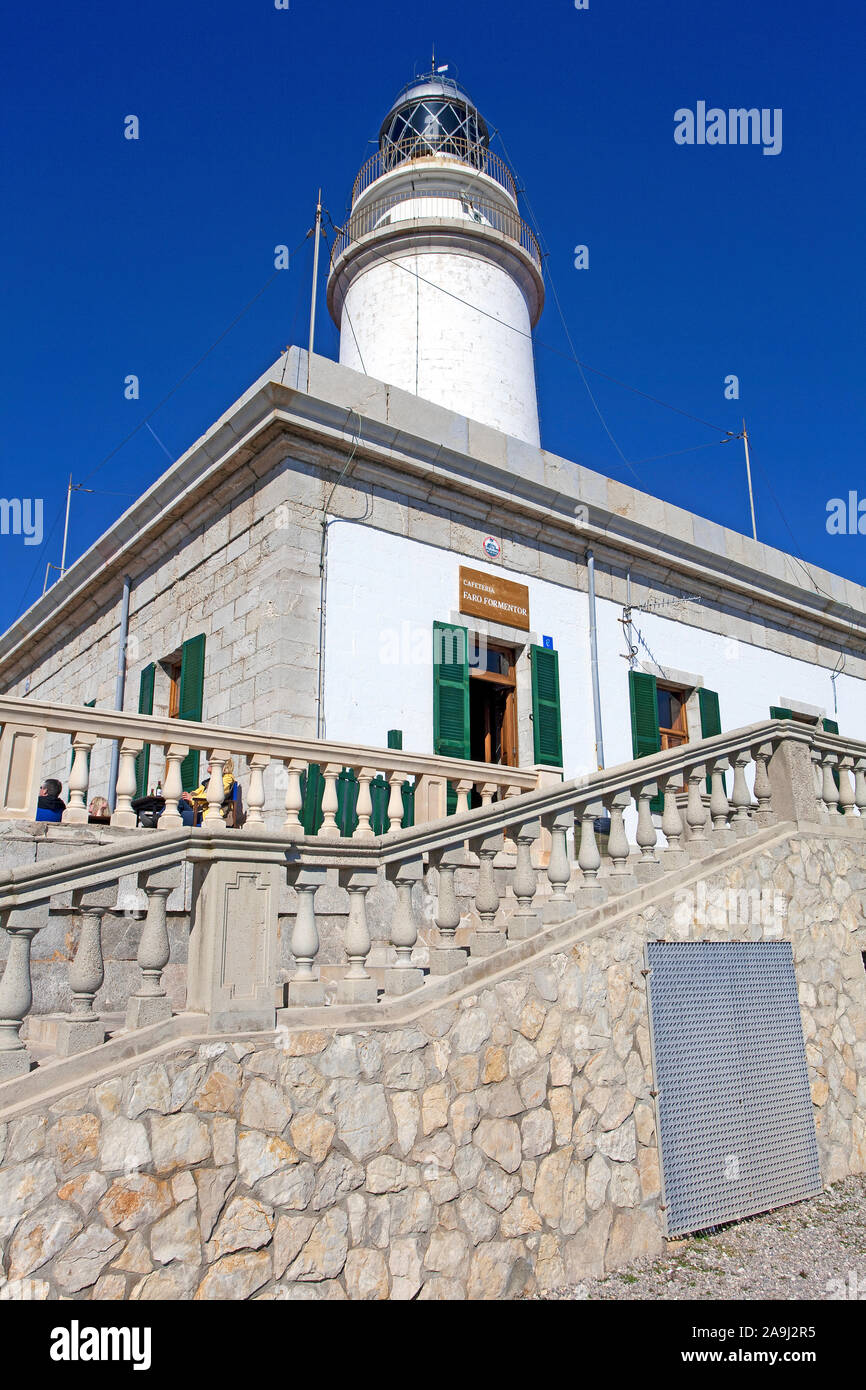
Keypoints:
pixel 548 801
pixel 470 152
pixel 369 218
pixel 156 729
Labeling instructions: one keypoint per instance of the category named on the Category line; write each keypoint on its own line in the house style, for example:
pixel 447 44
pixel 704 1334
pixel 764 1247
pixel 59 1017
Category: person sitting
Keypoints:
pixel 186 809
pixel 199 796
pixel 49 806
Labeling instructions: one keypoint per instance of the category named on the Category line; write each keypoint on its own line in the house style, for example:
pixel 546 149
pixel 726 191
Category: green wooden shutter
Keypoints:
pixel 312 791
pixel 145 706
pixel 450 691
pixel 546 719
pixel 644 701
pixel 645 737
pixel 395 738
pixel 191 702
pixel 776 712
pixel 450 697
pixel 711 722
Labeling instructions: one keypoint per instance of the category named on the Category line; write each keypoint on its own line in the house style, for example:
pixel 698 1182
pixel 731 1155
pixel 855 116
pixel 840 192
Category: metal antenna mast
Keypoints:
pixel 318 232
pixel 749 477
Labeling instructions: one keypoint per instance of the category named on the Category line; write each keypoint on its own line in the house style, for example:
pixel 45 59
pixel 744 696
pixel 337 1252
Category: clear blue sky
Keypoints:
pixel 134 256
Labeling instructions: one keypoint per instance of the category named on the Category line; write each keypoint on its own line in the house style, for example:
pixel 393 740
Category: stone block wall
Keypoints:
pixel 502 1142
pixel 242 567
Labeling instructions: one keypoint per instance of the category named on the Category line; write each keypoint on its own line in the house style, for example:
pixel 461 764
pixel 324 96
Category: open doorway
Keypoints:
pixel 493 707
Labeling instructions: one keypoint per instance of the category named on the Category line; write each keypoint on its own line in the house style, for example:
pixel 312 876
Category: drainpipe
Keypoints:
pixel 119 688
pixel 593 648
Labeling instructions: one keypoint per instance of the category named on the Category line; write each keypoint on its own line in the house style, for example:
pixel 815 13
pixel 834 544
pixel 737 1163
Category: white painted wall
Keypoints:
pixel 401 329
pixel 749 679
pixel 384 593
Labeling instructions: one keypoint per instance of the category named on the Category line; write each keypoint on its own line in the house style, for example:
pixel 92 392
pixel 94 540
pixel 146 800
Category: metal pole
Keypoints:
pixel 318 233
pixel 66 527
pixel 749 477
pixel 119 688
pixel 593 649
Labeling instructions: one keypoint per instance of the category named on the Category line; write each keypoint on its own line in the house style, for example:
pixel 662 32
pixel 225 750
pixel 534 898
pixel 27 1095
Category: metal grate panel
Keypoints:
pixel 736 1129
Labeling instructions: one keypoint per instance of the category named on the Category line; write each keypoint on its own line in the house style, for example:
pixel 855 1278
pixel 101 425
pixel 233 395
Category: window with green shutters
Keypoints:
pixel 711 722
pixel 645 736
pixel 191 702
pixel 776 712
pixel 546 715
pixel 145 706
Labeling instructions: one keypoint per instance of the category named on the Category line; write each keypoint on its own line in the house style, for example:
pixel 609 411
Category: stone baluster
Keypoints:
pixel 829 791
pixel 617 845
pixel 172 787
pixel 487 938
pixel 524 922
pixel 720 808
pixel 446 956
pixel 256 762
pixel 696 812
pixel 364 806
pixel 403 976
pixel 559 904
pixel 150 1004
pixel 16 998
pixel 305 986
pixel 81 1028
pixel 395 800
pixel 846 791
pixel 79 780
pixel 589 856
pixel 213 816
pixel 646 835
pixel 448 907
pixel 329 829
pixel 819 784
pixel 123 813
pixel 860 787
pixel 464 795
pixel 292 827
pixel 672 822
pixel 741 797
pixel 764 815
pixel 357 986
pixel 488 790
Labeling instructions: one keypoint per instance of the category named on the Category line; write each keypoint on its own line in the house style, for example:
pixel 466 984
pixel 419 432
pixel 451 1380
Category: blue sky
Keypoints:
pixel 134 256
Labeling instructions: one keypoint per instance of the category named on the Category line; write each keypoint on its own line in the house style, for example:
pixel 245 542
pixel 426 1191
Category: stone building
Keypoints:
pixel 379 551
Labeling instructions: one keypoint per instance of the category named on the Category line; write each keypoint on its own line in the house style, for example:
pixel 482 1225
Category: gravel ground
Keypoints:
pixel 812 1250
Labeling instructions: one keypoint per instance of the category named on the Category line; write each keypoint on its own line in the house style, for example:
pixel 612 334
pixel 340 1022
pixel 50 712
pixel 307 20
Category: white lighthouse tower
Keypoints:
pixel 436 282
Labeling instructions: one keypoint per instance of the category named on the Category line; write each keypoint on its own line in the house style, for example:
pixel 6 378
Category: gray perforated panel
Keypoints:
pixel 736 1130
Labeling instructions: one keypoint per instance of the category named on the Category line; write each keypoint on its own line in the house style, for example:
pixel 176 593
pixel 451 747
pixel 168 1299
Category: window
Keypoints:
pixel 673 728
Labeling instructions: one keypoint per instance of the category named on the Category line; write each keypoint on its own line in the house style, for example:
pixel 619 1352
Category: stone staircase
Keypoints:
pixel 459 901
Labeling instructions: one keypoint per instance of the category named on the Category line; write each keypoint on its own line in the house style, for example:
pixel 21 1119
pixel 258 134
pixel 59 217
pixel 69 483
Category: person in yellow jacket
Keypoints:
pixel 199 796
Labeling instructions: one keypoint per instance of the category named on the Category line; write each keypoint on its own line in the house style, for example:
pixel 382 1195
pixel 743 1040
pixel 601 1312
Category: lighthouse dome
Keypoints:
pixel 433 115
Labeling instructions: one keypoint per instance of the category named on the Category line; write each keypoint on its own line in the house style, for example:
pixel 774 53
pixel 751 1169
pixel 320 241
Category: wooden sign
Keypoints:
pixel 489 596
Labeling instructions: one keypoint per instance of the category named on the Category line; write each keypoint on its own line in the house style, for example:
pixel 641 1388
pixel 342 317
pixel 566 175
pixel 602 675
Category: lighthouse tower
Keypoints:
pixel 436 282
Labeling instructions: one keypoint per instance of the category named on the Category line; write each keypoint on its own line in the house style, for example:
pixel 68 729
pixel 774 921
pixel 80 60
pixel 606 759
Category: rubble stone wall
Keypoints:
pixel 502 1142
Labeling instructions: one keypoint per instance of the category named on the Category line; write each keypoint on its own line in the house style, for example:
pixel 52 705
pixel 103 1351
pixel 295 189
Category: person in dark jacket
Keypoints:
pixel 49 806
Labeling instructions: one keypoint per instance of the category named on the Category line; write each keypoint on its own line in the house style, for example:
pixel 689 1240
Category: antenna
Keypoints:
pixel 749 478
pixel 318 231
pixel 72 487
